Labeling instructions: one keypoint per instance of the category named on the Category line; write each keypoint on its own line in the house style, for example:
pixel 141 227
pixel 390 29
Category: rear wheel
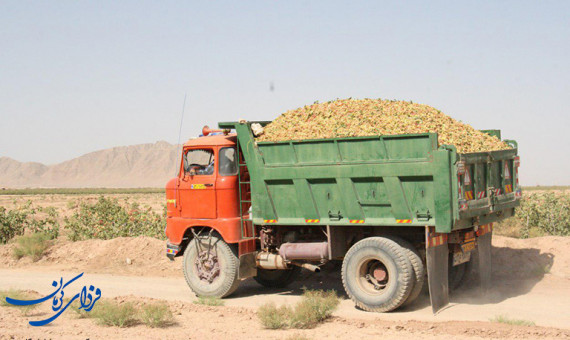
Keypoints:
pixel 377 274
pixel 275 278
pixel 458 273
pixel 211 267
pixel 417 265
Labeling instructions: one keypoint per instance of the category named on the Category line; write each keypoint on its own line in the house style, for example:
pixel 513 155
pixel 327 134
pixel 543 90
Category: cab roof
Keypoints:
pixel 212 140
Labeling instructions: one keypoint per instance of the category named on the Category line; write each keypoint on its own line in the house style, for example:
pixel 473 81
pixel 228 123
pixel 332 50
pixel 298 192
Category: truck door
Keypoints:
pixel 197 189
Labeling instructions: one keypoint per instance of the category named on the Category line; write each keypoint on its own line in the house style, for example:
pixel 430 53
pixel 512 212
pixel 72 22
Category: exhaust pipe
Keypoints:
pixel 266 260
pixel 308 266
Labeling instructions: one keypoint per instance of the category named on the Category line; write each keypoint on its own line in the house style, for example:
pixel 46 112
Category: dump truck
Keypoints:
pixel 397 210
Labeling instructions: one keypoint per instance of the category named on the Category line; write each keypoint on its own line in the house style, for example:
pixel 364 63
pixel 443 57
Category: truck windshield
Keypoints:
pixel 228 162
pixel 199 162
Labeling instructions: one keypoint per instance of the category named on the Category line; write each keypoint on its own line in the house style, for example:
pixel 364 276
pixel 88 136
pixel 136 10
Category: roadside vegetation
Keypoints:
pixel 156 315
pixel 209 301
pixel 109 313
pixel 33 246
pixel 107 219
pixel 315 307
pixel 515 322
pixel 546 188
pixel 297 337
pixel 32 227
pixel 123 315
pixel 18 295
pixel 30 219
pixel 540 214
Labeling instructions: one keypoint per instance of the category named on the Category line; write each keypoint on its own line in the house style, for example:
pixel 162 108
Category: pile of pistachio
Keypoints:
pixel 372 117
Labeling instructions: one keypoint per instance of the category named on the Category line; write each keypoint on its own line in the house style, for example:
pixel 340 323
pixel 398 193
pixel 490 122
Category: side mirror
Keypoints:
pixel 185 162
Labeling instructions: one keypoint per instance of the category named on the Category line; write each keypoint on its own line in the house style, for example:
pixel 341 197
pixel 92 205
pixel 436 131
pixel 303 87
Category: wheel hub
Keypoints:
pixel 207 266
pixel 379 274
pixel 374 275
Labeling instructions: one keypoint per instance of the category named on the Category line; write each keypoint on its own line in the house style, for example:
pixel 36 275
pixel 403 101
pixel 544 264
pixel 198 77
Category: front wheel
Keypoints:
pixel 211 267
pixel 377 274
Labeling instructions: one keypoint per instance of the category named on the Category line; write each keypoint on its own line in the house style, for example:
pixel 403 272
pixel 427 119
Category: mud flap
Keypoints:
pixel 484 238
pixel 437 258
pixel 247 267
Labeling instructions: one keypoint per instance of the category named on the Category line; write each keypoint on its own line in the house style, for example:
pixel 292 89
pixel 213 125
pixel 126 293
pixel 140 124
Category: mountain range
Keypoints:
pixel 134 166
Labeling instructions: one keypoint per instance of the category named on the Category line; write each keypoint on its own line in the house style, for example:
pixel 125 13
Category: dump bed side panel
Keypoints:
pixel 382 180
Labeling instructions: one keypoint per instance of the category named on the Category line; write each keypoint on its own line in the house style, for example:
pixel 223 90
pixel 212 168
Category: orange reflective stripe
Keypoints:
pixel 435 240
pixel 484 229
pixel 403 221
pixel 356 221
pixel 312 221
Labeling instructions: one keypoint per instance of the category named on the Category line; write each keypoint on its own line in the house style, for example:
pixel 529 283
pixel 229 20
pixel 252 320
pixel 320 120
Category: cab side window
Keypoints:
pixel 228 162
pixel 199 162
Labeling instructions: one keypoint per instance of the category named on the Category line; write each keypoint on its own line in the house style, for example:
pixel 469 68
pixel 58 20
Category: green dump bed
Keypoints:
pixel 398 180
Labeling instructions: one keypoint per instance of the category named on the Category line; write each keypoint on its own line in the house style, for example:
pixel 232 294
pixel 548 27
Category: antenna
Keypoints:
pixel 180 130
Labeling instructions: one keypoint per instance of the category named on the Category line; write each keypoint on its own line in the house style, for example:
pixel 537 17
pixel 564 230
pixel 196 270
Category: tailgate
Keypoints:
pixel 488 182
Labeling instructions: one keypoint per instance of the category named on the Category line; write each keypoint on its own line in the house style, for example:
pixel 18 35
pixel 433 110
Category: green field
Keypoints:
pixel 546 188
pixel 80 191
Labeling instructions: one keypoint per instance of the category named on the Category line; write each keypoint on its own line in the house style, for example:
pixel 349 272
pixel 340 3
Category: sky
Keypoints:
pixel 80 76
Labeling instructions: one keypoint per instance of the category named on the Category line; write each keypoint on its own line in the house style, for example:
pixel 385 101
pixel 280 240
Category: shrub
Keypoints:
pixel 156 315
pixel 107 219
pixel 272 317
pixel 516 322
pixel 539 214
pixel 33 245
pixel 549 212
pixel 48 225
pixel 108 313
pixel 209 301
pixel 12 223
pixel 297 337
pixel 18 295
pixel 25 218
pixel 81 313
pixel 112 314
pixel 314 307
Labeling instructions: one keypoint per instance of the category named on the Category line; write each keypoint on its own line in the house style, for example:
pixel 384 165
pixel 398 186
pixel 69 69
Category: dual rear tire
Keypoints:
pixel 381 274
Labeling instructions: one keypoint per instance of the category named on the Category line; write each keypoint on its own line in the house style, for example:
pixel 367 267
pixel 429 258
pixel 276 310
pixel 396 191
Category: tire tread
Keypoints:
pixel 229 286
pixel 401 260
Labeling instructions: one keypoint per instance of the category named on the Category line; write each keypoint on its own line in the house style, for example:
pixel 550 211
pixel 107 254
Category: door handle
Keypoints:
pixel 209 185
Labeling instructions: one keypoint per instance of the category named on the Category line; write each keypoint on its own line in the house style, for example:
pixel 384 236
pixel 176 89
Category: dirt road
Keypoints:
pixel 532 283
pixel 545 303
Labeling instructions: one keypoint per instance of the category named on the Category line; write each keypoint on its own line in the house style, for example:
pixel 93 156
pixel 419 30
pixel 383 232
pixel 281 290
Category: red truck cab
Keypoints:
pixel 205 192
